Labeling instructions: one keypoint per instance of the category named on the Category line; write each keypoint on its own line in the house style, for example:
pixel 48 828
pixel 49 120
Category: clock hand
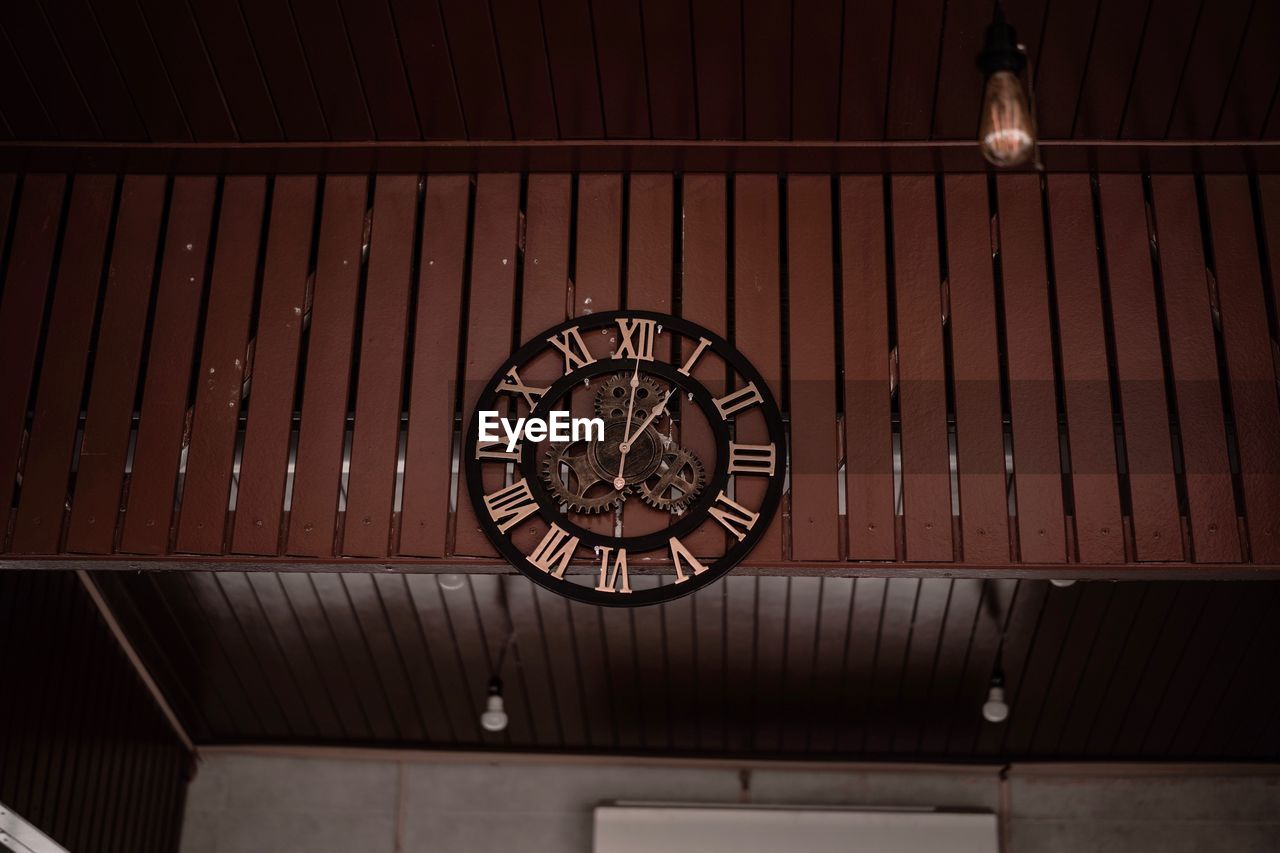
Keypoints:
pixel 653 413
pixel 620 482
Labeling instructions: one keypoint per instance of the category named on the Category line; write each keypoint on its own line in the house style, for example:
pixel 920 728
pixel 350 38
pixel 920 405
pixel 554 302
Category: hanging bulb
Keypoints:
pixel 1062 583
pixel 1006 131
pixel 452 581
pixel 995 709
pixel 494 718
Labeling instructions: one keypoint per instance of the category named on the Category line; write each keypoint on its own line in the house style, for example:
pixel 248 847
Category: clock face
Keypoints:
pixel 677 466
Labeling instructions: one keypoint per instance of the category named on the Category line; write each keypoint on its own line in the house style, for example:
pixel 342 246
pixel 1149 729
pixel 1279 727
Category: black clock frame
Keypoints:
pixel 693 518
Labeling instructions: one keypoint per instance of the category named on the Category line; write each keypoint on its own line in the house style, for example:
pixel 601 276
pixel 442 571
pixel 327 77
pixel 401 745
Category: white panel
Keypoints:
pixel 728 829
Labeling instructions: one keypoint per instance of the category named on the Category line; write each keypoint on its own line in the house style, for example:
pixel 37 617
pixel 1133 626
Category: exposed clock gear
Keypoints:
pixel 677 482
pixel 615 393
pixel 576 481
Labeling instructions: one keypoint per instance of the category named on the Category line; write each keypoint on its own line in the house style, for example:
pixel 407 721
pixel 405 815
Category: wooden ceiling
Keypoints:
pixel 866 668
pixel 226 71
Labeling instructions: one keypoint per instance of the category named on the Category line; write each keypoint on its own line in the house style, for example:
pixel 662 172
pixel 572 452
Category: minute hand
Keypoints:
pixel 653 413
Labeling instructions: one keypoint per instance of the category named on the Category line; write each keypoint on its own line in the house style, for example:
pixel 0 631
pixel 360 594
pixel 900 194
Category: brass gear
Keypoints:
pixel 680 470
pixel 615 392
pixel 585 476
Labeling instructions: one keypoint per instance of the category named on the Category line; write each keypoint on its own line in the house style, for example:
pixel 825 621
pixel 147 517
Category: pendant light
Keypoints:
pixel 1006 132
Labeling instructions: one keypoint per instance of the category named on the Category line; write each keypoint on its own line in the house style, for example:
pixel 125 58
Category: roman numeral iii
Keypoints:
pixel 752 458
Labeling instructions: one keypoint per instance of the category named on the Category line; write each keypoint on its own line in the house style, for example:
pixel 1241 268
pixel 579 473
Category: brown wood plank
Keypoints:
pixel 1166 40
pixel 624 88
pixel 704 300
pixel 552 613
pixel 825 717
pixel 1113 56
pixel 22 308
pixel 650 222
pixel 138 59
pixel 179 295
pixel 318 467
pixel 1153 494
pixel 767 63
pixel 1061 63
pixel 82 43
pixel 284 66
pixel 941 706
pixel 868 424
pixel 975 368
pixel 381 73
pixel 375 442
pixel 1029 357
pixel 536 663
pixel 410 645
pixel 189 70
pixel 587 631
pixel 1071 666
pixel 1250 364
pixel 38 526
pixel 225 38
pixel 718 46
pixel 668 45
pixel 574 71
pixel 959 88
pixel 1206 76
pixel 394 680
pixel 1085 378
pixel 757 325
pixel 333 70
pixel 916 39
pixel 216 412
pixel 1044 652
pixel 928 620
pixel 922 385
pixel 424 517
pixel 814 443
pixel 1192 354
pixel 710 647
pixel 892 645
pixel 798 664
pixel 113 388
pixel 767 701
pixel 517 28
pixel 815 89
pixel 479 72
pixel 427 61
pixel 47 70
pixel 265 459
pixel 489 323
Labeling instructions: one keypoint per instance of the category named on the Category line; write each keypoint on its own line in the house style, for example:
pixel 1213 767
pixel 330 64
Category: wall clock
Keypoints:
pixel 688 470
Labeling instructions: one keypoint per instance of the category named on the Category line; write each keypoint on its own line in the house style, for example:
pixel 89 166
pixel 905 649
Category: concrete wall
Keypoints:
pixel 242 802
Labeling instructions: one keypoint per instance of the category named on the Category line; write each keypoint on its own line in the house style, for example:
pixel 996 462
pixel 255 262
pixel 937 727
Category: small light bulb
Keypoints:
pixel 1062 583
pixel 1006 132
pixel 452 581
pixel 995 709
pixel 494 718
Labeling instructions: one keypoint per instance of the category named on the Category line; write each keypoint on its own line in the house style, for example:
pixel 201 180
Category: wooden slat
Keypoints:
pixel 427 61
pixel 95 69
pixel 1165 42
pixel 587 631
pixel 574 72
pixel 717 44
pixel 710 648
pixel 1044 652
pixel 333 70
pixel 1206 75
pixel 814 443
pixel 284 66
pixel 767 699
pixel 265 459
pixel 975 367
pixel 1188 318
pixel 216 413
pixel 889 660
pixel 24 115
pixel 798 663
pixel 225 37
pixel 832 630
pixel 381 73
pixel 624 91
pixel 704 300
pixel 1061 63
pixel 140 65
pixel 766 45
pixel 394 679
pixel 318 467
pixel 424 515
pixel 489 323
pixel 1071 665
pixel 47 69
pixel 113 388
pixel 1153 494
pixel 959 89
pixel 928 619
pixel 517 27
pixel 867 373
pixel 668 45
pixel 1036 467
pixel 190 72
pixel 38 526
pixel 552 612
pixel 536 664
pixel 964 609
pixel 922 391
pixel 1247 341
pixel 757 327
pixel 1113 56
pixel 22 307
pixel 375 442
pixel 1085 378
pixel 815 90
pixel 179 294
pixel 915 40
pixel 479 74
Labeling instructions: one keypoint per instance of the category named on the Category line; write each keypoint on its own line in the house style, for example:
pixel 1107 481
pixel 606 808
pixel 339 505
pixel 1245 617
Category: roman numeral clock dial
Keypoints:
pixel 613 454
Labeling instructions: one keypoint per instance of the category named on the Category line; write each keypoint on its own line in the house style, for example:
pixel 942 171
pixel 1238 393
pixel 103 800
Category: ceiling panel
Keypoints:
pixel 868 668
pixel 219 70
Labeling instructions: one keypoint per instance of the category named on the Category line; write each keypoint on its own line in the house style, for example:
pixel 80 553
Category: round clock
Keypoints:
pixel 625 439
